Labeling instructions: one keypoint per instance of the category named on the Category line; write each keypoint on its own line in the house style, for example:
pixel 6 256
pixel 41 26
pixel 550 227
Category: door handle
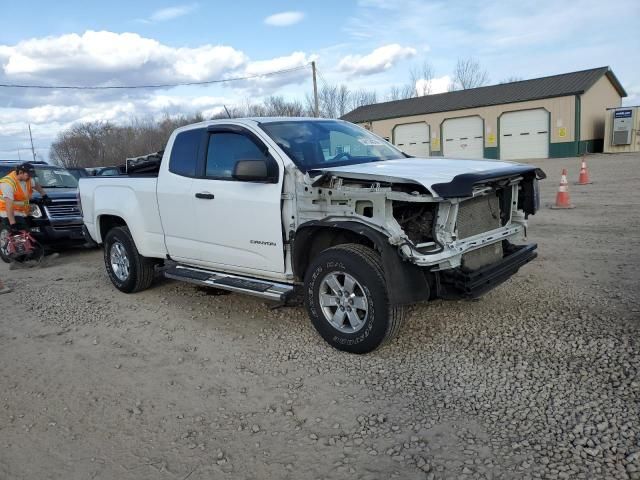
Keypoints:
pixel 205 196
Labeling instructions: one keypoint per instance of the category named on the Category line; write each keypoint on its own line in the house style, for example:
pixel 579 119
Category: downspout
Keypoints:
pixel 577 125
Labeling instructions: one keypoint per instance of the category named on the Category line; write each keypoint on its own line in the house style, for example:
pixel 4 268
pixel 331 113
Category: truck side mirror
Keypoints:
pixel 252 171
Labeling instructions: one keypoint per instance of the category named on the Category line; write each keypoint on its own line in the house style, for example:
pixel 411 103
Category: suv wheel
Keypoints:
pixel 128 270
pixel 346 298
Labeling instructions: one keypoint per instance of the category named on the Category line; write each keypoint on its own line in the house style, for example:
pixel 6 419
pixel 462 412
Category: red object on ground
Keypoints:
pixel 562 198
pixel 583 179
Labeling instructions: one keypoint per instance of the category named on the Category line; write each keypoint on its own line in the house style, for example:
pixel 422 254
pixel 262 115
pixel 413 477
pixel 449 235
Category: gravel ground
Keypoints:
pixel 538 379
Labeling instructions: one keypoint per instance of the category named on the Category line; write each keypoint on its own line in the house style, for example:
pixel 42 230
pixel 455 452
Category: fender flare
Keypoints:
pixel 406 282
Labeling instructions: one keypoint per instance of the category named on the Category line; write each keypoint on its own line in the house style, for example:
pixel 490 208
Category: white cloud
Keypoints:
pixel 284 19
pixel 108 58
pixel 379 60
pixel 382 4
pixel 114 59
pixel 114 110
pixel 169 13
pixel 633 95
pixel 436 85
pixel 296 59
pixel 268 84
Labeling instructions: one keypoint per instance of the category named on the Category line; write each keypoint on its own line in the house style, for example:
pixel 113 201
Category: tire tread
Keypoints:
pixel 397 313
pixel 144 267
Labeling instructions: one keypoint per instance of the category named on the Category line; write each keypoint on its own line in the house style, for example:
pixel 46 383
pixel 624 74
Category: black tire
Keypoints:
pixel 4 232
pixel 141 269
pixel 381 321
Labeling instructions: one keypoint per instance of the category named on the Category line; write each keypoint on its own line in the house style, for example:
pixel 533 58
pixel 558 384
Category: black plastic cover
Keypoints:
pixel 462 185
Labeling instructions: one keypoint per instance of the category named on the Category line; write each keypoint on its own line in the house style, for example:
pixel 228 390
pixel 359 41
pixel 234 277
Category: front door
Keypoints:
pixel 239 222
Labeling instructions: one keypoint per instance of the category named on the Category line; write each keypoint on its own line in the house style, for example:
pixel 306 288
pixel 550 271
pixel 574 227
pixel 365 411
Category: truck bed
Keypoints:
pixel 131 197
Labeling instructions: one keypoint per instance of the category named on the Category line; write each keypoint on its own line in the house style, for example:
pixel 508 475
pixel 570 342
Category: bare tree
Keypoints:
pixel 400 93
pixel 394 93
pixel 421 78
pixel 343 99
pixel 363 97
pixel 97 144
pixel 512 79
pixel 336 100
pixel 468 74
pixel 276 106
pixel 419 85
pixel 328 97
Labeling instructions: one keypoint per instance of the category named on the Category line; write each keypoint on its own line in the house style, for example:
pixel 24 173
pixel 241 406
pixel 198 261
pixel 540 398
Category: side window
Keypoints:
pixel 184 153
pixel 225 149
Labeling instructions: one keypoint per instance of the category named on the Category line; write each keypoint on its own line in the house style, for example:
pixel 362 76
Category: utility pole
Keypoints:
pixel 33 151
pixel 315 89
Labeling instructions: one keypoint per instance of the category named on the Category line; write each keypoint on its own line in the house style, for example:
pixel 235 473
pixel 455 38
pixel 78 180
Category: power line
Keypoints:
pixel 324 82
pixel 165 85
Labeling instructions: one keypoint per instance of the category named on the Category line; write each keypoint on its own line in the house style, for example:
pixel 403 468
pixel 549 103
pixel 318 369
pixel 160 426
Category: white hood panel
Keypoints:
pixel 424 171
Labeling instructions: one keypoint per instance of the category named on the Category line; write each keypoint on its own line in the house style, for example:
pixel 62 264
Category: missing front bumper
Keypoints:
pixel 457 283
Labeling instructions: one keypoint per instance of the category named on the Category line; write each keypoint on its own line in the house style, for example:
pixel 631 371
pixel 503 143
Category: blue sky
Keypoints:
pixel 363 43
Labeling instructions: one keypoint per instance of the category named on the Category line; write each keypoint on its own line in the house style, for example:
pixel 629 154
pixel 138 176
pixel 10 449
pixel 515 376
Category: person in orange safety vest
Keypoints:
pixel 16 190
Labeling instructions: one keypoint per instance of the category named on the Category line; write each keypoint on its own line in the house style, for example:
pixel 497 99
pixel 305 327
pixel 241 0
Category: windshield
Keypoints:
pixel 55 178
pixel 329 143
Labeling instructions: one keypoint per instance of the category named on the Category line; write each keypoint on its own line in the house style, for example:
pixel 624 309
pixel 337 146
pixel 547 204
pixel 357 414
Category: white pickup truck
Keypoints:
pixel 274 206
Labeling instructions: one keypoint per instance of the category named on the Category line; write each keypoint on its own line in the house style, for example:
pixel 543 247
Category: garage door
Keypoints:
pixel 412 138
pixel 462 137
pixel 524 134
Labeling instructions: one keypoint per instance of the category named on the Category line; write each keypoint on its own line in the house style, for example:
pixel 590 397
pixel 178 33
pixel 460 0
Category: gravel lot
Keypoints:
pixel 538 379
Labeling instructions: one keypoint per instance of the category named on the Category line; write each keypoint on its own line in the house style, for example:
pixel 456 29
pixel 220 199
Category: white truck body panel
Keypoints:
pixel 253 242
pixel 133 200
pixel 176 201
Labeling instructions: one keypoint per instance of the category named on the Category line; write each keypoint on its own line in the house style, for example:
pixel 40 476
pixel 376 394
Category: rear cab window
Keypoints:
pixel 185 151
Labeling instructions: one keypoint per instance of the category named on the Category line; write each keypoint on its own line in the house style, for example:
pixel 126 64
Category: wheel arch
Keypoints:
pixel 406 283
pixel 108 222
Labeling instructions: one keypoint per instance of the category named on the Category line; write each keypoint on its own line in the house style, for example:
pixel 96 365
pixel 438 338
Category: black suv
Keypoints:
pixel 59 223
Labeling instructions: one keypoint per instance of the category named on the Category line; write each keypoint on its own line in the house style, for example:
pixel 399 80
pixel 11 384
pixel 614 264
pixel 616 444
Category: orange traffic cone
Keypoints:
pixel 583 179
pixel 562 198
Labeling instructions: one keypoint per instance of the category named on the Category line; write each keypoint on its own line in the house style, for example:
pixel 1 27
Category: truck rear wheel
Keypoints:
pixel 128 270
pixel 346 298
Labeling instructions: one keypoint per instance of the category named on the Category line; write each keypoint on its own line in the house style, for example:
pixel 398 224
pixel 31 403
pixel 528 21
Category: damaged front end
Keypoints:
pixel 447 237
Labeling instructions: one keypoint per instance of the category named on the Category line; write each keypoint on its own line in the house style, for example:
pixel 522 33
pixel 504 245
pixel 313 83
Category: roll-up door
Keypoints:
pixel 412 138
pixel 524 134
pixel 463 138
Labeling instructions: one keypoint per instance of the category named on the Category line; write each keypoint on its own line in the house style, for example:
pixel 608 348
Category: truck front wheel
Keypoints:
pixel 128 270
pixel 347 300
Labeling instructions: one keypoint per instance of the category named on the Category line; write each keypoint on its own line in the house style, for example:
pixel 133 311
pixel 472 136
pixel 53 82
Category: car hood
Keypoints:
pixel 57 194
pixel 443 177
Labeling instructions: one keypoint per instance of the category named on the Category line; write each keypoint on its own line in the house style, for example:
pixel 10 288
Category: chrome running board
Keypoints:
pixel 233 283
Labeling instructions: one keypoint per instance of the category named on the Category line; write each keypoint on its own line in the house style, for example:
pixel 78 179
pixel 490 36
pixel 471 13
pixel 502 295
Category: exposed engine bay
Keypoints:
pixel 416 220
